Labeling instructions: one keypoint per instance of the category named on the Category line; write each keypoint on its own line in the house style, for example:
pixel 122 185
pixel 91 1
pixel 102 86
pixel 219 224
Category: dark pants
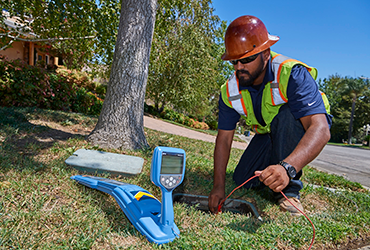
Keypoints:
pixel 269 149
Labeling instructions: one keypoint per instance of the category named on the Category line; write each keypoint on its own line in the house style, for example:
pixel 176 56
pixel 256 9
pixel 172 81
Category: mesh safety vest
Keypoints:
pixel 273 97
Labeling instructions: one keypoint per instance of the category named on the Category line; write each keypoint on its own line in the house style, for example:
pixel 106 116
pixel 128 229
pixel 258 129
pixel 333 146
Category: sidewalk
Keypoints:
pixel 159 125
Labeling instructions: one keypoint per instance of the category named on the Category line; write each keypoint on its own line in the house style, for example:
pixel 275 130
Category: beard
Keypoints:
pixel 247 81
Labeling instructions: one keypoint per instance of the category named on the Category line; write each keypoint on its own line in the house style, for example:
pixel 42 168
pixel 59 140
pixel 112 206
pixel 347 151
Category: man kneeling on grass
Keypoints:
pixel 280 100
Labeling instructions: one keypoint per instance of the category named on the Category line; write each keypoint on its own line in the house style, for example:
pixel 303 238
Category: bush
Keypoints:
pixel 367 141
pixel 86 102
pixel 212 122
pixel 101 89
pixel 201 125
pixel 23 85
pixel 189 122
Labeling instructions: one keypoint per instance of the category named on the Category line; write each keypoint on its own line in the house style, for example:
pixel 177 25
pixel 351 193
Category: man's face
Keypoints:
pixel 247 73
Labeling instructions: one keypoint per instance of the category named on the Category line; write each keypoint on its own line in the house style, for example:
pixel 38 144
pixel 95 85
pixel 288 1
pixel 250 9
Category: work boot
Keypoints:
pixel 286 206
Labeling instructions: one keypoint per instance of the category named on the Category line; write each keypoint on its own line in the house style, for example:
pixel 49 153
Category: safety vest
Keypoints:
pixel 273 97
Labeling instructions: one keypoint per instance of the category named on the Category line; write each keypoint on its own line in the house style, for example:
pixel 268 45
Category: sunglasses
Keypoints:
pixel 245 60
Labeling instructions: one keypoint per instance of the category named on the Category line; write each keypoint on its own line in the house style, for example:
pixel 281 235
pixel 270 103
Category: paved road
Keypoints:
pixel 351 163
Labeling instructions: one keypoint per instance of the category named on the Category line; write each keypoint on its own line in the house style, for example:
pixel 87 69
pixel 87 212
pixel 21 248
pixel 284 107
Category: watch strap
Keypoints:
pixel 288 169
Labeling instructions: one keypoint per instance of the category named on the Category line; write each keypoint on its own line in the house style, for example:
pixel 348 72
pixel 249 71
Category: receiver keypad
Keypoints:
pixel 170 181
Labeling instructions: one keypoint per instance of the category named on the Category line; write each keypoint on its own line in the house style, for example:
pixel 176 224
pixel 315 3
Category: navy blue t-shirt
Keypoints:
pixel 303 95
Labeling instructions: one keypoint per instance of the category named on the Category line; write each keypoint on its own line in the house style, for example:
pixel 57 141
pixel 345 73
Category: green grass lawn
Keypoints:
pixel 41 208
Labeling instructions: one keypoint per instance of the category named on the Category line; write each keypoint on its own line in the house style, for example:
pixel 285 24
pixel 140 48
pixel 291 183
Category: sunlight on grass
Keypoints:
pixel 41 208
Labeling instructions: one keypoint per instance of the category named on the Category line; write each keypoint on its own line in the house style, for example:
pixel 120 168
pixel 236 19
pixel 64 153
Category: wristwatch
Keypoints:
pixel 289 169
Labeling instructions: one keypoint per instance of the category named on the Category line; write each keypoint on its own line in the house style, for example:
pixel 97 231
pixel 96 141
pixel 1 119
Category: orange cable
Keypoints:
pixel 313 227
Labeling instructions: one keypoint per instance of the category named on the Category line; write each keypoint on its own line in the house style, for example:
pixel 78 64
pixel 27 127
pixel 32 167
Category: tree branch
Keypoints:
pixel 45 39
pixel 7 45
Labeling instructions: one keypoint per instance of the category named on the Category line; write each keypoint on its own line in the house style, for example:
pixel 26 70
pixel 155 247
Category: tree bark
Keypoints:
pixel 120 123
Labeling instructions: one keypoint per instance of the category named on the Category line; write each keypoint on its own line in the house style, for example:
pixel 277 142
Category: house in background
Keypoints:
pixel 24 46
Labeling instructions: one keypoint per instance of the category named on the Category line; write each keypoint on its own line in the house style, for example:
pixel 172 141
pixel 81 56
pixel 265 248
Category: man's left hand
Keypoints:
pixel 275 177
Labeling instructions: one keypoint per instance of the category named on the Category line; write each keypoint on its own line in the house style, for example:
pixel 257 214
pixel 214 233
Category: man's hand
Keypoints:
pixel 275 177
pixel 224 140
pixel 215 197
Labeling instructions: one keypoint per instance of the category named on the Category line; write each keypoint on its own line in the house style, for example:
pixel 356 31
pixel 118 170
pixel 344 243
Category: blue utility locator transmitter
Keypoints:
pixel 153 219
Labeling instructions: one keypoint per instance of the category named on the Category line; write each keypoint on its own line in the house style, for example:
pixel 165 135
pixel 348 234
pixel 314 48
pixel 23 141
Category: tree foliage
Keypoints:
pixel 80 31
pixel 185 67
pixel 350 106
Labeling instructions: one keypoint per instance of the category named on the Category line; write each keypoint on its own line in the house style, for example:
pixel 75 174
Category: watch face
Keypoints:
pixel 292 172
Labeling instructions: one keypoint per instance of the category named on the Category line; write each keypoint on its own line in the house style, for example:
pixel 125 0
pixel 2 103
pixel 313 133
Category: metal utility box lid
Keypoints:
pixel 92 161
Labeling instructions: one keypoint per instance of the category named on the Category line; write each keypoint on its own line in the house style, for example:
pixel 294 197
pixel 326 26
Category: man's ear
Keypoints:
pixel 266 54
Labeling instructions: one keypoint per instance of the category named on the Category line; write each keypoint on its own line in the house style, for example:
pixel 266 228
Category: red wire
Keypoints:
pixel 313 227
pixel 223 201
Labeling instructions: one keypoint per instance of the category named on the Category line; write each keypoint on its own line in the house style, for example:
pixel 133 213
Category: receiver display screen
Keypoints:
pixel 172 164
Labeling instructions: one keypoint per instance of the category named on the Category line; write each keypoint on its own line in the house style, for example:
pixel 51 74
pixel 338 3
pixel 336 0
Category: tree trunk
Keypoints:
pixel 120 123
pixel 351 121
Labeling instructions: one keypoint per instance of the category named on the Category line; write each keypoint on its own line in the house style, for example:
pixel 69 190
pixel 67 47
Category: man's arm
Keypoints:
pixel 221 157
pixel 313 141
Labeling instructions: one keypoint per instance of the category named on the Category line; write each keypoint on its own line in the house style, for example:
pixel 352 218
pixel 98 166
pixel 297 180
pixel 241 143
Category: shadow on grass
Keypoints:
pixel 23 136
pixel 21 141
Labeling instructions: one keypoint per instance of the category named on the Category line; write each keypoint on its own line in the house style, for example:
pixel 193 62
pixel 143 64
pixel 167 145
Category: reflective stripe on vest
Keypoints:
pixel 277 96
pixel 234 95
pixel 326 102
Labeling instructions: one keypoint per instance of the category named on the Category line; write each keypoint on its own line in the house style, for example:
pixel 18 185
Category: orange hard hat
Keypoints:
pixel 246 36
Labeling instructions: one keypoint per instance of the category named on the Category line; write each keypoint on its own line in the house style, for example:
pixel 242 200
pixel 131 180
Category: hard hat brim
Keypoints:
pixel 271 41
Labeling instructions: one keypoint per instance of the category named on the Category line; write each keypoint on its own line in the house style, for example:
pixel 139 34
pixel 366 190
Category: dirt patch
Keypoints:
pixel 355 243
pixel 315 203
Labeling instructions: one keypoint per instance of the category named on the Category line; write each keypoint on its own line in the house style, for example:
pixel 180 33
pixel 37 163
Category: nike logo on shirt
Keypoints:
pixel 312 103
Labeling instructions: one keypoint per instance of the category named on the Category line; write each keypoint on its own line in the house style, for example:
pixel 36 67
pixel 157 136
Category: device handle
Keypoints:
pixel 167 216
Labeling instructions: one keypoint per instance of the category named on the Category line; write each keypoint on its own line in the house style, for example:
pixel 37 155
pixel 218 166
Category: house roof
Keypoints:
pixel 16 23
pixel 22 28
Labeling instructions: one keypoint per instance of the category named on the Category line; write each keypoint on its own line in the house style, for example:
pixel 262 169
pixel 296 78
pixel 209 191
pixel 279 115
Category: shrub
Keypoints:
pixel 181 118
pixel 23 85
pixel 204 126
pixel 200 125
pixel 101 89
pixel 86 102
pixel 367 140
pixel 189 122
pixel 28 86
pixel 212 122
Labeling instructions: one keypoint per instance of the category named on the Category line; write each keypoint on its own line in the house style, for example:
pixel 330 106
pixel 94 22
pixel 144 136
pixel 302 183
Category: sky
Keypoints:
pixel 333 36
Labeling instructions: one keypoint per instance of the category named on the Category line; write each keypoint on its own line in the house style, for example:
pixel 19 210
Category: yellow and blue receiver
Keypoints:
pixel 152 218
